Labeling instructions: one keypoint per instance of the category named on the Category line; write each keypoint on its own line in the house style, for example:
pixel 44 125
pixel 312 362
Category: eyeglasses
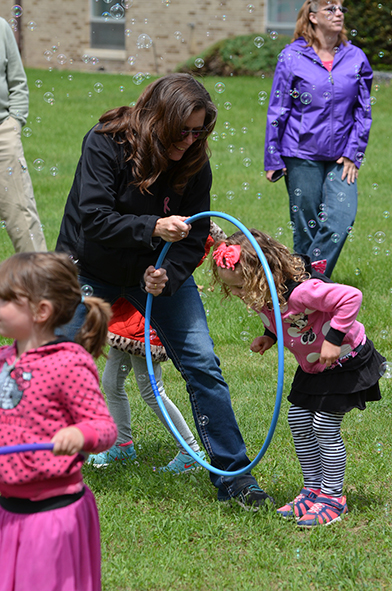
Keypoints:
pixel 332 9
pixel 197 134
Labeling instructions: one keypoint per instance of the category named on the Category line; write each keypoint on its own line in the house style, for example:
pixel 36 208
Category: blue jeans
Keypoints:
pixel 322 208
pixel 182 327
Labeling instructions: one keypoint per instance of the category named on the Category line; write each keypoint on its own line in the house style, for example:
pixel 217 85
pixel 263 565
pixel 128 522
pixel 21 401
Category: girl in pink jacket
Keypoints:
pixel 339 367
pixel 49 392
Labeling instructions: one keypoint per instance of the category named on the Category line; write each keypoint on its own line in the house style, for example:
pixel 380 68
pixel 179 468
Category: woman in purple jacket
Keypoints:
pixel 318 126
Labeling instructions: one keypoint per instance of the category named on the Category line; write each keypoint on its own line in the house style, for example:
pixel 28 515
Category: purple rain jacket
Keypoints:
pixel 314 114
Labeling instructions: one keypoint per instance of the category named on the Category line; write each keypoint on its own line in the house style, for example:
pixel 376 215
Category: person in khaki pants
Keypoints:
pixel 18 209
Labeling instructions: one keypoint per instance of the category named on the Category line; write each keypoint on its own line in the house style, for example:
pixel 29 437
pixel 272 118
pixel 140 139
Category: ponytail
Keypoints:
pixel 93 333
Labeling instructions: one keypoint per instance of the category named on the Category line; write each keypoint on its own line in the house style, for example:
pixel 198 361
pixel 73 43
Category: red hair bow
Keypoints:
pixel 227 256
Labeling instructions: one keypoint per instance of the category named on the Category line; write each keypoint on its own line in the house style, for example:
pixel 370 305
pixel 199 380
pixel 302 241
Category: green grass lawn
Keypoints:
pixel 165 532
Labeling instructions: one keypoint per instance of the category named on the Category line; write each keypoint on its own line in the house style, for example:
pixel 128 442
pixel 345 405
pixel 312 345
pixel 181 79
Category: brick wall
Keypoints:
pixel 178 29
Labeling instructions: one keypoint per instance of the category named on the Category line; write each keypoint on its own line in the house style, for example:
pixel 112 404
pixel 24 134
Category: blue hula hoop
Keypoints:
pixel 279 335
pixel 16 449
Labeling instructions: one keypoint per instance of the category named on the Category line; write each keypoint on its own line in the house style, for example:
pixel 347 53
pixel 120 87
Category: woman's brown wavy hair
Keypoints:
pixel 284 267
pixel 147 130
pixel 305 28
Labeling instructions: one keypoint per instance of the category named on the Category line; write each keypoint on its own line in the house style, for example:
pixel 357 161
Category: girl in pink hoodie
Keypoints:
pixel 339 367
pixel 49 392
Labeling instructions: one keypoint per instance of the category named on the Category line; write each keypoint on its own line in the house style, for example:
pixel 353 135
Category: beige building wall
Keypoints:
pixel 56 33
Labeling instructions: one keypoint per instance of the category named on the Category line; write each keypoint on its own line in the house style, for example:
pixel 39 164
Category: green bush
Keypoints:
pixel 369 25
pixel 245 55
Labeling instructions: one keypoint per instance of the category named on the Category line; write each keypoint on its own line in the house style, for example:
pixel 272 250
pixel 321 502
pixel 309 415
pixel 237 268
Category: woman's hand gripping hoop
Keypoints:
pixel 279 335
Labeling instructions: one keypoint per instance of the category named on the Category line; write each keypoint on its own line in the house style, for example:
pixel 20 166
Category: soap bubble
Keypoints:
pixel 335 237
pixel 294 208
pixel 250 8
pixel 306 98
pixel 203 420
pixel 386 214
pixel 297 192
pixel 354 32
pixel 17 11
pixel 232 131
pixel 215 136
pixel 231 148
pixel 331 176
pixel 385 369
pixel 245 186
pixel 384 334
pixel 144 41
pixel 357 271
pixel 247 162
pixel 322 216
pixel 98 87
pixel 259 42
pixel 230 195
pixel 275 123
pixel 49 97
pixel 61 58
pixel 379 237
pixel 244 130
pixel 263 95
pixel 227 105
pixel 117 11
pixel 373 100
pixel 27 132
pixel 271 149
pixel 54 171
pixel 274 35
pixel 131 60
pixel 381 54
pixel 375 186
pixel 316 252
pixel 359 156
pixel 341 196
pixel 199 63
pixel 87 291
pixel 177 35
pixel 138 78
pixel 327 95
pixel 220 87
pixel 39 164
pixel 32 25
pixel 124 369
pixel 295 93
pixel 312 224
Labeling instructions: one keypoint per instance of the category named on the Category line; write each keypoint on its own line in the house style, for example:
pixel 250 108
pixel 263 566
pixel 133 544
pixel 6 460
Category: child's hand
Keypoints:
pixel 329 353
pixel 68 441
pixel 262 344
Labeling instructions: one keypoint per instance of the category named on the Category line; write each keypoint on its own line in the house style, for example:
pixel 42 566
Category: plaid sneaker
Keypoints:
pixel 252 497
pixel 324 512
pixel 183 463
pixel 300 505
pixel 117 453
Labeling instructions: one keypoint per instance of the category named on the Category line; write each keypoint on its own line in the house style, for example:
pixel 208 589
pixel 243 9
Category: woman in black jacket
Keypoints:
pixel 143 171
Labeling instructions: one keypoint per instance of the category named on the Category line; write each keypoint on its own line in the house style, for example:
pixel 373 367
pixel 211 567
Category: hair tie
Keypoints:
pixel 227 256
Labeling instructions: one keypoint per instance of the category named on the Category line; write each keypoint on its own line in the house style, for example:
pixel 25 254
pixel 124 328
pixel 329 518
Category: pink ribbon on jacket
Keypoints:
pixel 227 256
pixel 166 207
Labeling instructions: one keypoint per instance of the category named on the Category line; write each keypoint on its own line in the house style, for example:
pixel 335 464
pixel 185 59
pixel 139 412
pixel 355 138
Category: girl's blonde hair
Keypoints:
pixel 305 28
pixel 284 267
pixel 53 276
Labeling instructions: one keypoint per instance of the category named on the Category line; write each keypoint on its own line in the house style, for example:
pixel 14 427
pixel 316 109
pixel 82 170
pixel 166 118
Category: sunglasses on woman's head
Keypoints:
pixel 197 134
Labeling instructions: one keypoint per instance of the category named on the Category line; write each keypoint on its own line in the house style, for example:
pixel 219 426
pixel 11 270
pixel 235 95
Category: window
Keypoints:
pixel 107 25
pixel 282 15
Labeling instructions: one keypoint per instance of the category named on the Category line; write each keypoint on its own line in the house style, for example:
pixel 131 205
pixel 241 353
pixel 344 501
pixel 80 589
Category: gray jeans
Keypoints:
pixel 117 368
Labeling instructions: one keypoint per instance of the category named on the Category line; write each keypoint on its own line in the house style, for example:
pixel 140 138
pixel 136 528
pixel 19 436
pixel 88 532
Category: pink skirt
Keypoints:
pixel 57 550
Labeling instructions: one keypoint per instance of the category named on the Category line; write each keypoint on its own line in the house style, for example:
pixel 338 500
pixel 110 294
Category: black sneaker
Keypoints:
pixel 252 497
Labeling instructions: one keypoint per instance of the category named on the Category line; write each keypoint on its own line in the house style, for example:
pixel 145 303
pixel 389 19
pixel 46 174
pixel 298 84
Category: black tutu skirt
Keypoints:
pixel 342 388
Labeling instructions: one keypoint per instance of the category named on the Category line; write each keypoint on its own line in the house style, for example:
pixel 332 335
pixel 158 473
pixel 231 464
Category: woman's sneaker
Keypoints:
pixel 183 463
pixel 117 453
pixel 300 505
pixel 324 512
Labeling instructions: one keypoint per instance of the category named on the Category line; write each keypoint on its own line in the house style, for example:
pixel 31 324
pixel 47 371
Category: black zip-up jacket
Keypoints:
pixel 108 223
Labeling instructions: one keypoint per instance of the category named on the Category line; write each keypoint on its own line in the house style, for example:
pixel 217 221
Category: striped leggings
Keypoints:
pixel 320 448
